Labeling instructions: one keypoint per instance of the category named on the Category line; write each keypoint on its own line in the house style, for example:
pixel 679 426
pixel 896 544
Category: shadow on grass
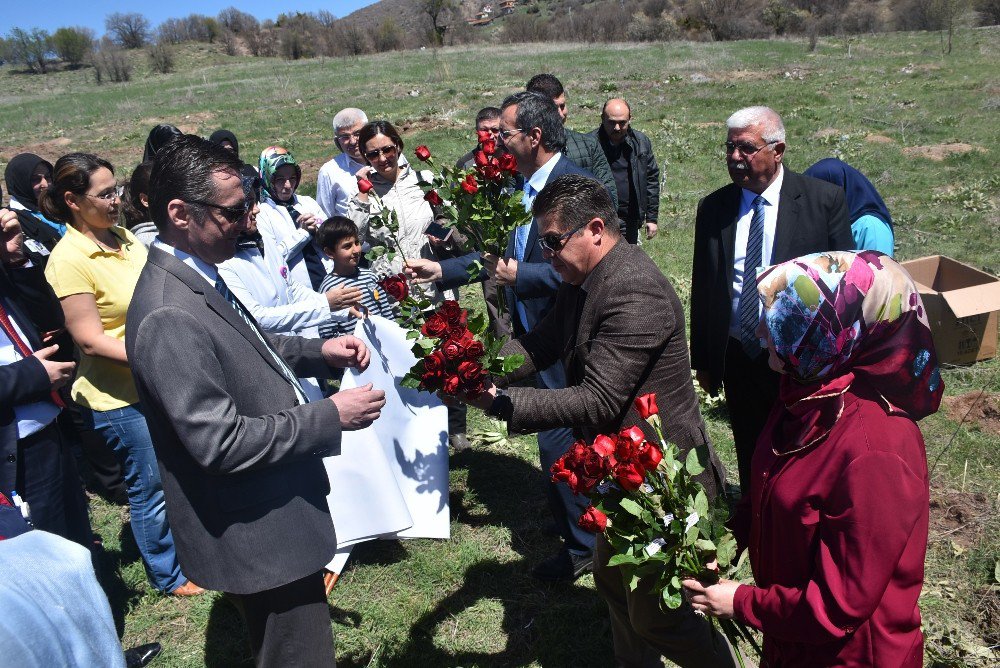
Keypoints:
pixel 121 595
pixel 542 623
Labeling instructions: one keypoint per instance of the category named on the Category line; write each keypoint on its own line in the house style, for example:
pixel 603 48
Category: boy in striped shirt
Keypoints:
pixel 338 236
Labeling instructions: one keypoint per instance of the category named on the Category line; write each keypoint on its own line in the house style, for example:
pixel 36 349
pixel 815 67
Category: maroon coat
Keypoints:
pixel 837 535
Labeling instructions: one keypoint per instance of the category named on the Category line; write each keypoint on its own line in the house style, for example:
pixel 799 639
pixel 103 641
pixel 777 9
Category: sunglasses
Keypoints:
pixel 387 151
pixel 234 214
pixel 554 242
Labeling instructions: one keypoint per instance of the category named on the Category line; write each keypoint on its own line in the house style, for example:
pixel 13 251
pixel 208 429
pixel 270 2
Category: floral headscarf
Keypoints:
pixel 271 158
pixel 839 317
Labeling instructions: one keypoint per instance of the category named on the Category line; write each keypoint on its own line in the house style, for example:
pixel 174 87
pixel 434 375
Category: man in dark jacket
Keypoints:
pixel 633 165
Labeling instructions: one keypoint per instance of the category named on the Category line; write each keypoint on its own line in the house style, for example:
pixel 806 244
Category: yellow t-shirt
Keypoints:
pixel 78 265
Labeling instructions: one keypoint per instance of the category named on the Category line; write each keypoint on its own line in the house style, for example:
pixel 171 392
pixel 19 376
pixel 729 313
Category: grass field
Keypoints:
pixel 923 126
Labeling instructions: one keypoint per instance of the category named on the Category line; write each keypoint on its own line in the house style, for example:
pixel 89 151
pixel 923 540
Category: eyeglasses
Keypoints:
pixel 108 196
pixel 278 180
pixel 554 242
pixel 233 214
pixel 387 151
pixel 349 135
pixel 747 149
pixel 507 134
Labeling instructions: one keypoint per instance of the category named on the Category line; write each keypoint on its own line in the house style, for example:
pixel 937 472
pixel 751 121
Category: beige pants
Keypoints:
pixel 643 632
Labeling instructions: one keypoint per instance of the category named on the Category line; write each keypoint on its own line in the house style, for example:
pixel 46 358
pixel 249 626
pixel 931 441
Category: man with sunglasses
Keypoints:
pixel 238 445
pixel 617 330
pixel 532 131
pixel 767 215
pixel 337 182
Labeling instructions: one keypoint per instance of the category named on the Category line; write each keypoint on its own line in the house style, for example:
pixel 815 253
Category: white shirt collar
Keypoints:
pixel 770 194
pixel 204 269
pixel 541 175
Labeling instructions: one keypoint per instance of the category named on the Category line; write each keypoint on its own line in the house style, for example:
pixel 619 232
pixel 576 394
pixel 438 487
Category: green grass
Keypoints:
pixel 470 601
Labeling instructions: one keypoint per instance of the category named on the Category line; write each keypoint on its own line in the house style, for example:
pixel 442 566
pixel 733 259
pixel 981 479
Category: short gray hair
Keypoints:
pixel 771 127
pixel 347 118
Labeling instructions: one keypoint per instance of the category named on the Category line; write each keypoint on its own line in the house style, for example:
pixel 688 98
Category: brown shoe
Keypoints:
pixel 329 581
pixel 188 589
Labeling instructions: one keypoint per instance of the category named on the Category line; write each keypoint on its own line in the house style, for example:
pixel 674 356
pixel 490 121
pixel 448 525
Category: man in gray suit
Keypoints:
pixel 238 447
pixel 617 327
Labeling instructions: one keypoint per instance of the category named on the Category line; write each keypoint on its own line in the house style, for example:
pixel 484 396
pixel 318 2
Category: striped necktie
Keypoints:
pixel 749 304
pixel 223 289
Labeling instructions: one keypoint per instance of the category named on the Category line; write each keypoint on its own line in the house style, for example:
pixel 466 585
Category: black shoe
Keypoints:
pixel 563 567
pixel 459 443
pixel 137 657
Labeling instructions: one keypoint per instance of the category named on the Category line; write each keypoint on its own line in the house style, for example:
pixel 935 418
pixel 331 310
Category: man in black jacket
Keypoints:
pixel 633 165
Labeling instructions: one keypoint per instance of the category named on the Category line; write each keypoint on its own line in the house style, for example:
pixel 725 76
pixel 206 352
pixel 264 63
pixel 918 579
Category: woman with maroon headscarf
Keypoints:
pixel 836 519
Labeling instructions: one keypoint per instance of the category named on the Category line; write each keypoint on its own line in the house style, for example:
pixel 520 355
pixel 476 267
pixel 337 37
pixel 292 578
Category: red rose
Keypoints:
pixel 630 476
pixel 593 520
pixel 481 159
pixel 560 473
pixel 431 381
pixel 477 389
pixel 451 311
pixel 650 456
pixel 434 363
pixel 435 326
pixel 489 146
pixel 470 371
pixel 508 163
pixel 364 185
pixel 395 287
pixel 452 350
pixel 433 198
pixel 483 135
pixel 634 434
pixel 646 405
pixel 451 385
pixel 470 185
pixel 604 445
pixel 423 153
pixel 490 172
pixel 475 350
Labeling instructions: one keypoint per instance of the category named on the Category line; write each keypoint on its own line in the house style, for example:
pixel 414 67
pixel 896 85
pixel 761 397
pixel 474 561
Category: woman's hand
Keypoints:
pixel 11 238
pixel 343 297
pixel 309 222
pixel 715 600
pixel 363 174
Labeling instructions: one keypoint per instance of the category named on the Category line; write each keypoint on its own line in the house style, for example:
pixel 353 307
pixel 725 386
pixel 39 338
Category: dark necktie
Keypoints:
pixel 23 347
pixel 223 290
pixel 749 299
pixel 314 265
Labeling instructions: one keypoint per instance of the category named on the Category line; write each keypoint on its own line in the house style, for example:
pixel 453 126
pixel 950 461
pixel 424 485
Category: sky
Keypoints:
pixel 52 14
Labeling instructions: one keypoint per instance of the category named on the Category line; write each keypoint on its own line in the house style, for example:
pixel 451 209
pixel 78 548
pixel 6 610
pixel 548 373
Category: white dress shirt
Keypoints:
pixel 771 198
pixel 337 184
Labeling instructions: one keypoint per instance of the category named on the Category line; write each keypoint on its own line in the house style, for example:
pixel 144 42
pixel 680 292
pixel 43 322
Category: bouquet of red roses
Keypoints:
pixel 456 353
pixel 655 515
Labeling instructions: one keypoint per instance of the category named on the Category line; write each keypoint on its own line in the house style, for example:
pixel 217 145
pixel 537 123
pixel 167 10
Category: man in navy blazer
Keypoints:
pixel 532 131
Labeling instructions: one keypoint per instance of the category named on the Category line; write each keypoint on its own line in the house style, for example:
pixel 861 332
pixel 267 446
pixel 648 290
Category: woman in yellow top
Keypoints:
pixel 93 270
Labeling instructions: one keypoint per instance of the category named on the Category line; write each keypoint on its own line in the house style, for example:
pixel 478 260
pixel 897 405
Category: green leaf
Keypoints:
pixel 672 598
pixel 705 545
pixel 512 363
pixel 691 464
pixel 701 503
pixel 631 507
pixel 477 323
pixel 725 550
pixel 412 334
pixel 633 583
pixel 410 381
pixel 620 559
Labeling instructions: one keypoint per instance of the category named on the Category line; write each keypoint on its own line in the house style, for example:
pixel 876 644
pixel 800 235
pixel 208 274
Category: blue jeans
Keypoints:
pixel 126 432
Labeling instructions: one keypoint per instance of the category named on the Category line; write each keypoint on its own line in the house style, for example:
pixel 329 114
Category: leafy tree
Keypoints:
pixel 30 48
pixel 73 44
pixel 130 30
pixel 389 36
pixel 438 11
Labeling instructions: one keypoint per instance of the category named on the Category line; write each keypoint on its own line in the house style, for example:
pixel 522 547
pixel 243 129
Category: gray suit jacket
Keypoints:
pixel 619 336
pixel 240 460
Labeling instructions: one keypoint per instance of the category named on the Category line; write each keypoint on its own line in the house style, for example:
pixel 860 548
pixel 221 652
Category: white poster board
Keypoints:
pixel 391 479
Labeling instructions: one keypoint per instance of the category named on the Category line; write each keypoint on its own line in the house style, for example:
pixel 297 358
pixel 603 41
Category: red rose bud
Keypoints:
pixel 469 372
pixel 451 385
pixel 475 350
pixel 630 476
pixel 507 163
pixel 646 405
pixel 434 363
pixel 395 287
pixel 423 153
pixel 364 185
pixel 431 381
pixel 483 135
pixel 481 159
pixel 489 146
pixel 435 326
pixel 593 520
pixel 470 185
pixel 560 473
pixel 604 446
pixel 450 311
pixel 490 172
pixel 650 457
pixel 634 434
pixel 451 350
pixel 433 198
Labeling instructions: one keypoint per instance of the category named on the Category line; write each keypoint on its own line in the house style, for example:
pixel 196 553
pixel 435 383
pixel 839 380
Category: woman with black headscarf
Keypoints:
pixel 871 224
pixel 26 176
pixel 159 136
pixel 226 139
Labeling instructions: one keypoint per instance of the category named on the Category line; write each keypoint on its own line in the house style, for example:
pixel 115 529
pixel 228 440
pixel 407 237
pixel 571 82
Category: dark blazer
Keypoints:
pixel 619 336
pixel 645 173
pixel 812 217
pixel 537 281
pixel 29 302
pixel 240 460
pixel 583 150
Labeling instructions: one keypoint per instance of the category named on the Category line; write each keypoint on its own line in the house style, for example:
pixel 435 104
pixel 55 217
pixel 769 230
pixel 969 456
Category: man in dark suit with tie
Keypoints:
pixel 767 215
pixel 238 447
pixel 35 457
pixel 532 131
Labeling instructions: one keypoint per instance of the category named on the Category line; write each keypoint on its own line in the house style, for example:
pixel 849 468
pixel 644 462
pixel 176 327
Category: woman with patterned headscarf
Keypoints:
pixel 836 520
pixel 291 220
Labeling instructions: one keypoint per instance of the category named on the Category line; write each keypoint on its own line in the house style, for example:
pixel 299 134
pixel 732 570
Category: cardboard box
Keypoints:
pixel 962 306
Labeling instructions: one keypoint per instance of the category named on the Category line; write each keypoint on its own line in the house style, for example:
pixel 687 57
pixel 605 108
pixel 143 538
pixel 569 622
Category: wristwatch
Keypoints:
pixel 502 407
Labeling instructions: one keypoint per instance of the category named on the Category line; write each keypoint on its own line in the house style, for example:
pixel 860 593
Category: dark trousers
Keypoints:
pixel 98 466
pixel 499 319
pixel 566 507
pixel 290 625
pixel 458 419
pixel 751 389
pixel 47 480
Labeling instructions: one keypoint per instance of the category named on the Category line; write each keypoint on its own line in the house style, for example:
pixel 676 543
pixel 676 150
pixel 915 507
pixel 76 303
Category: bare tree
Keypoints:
pixel 130 30
pixel 439 11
